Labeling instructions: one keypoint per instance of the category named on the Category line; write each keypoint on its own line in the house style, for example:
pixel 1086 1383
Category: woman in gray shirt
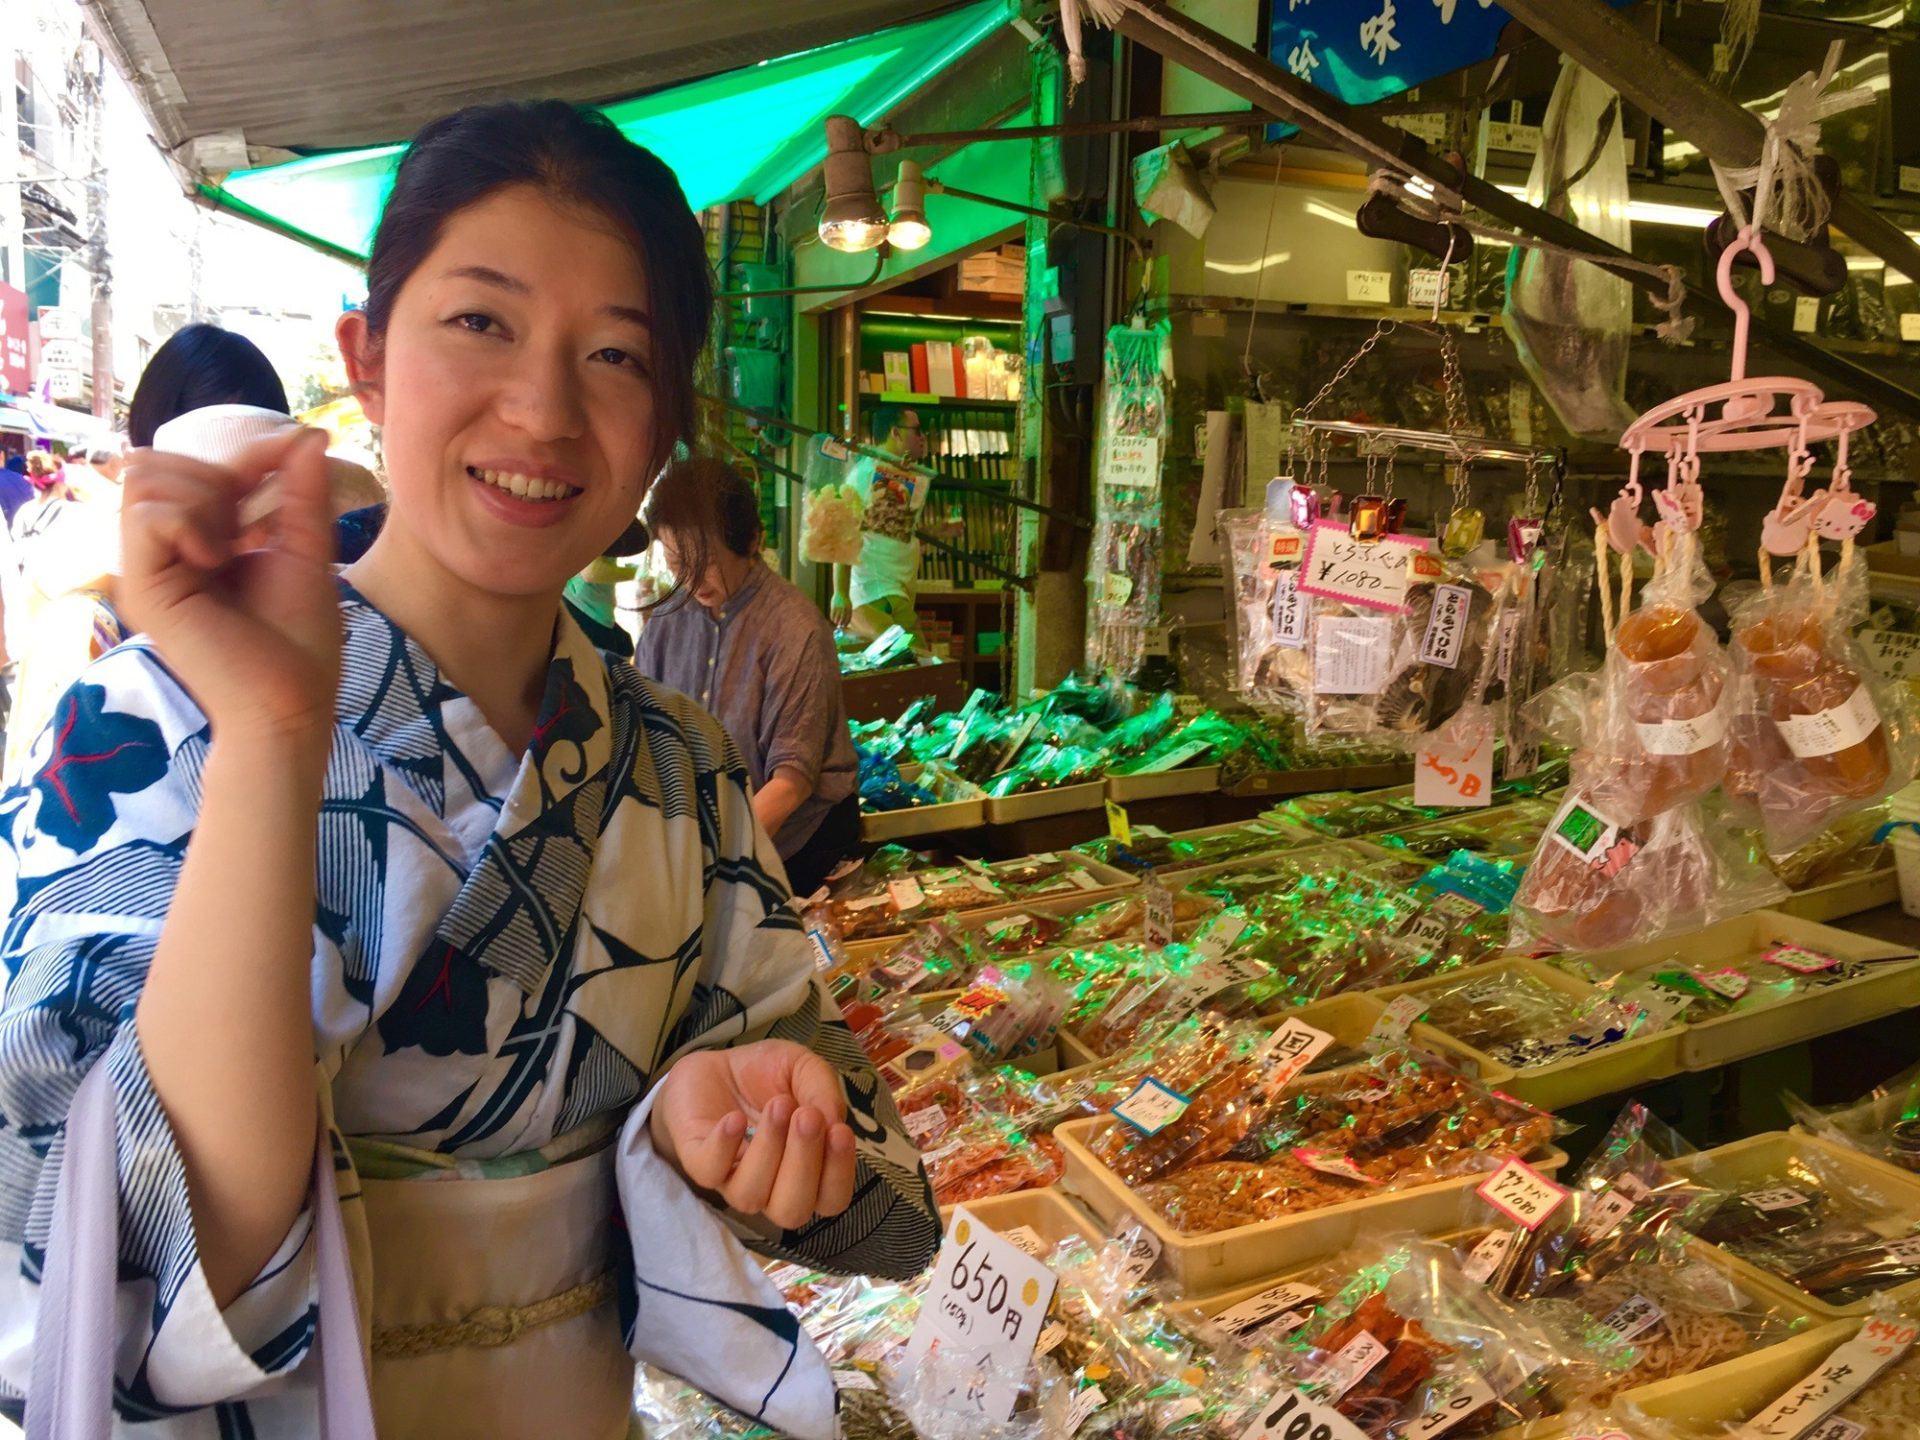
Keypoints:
pixel 755 651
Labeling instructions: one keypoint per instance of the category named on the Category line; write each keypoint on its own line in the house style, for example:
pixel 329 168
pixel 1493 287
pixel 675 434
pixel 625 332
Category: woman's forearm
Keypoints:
pixel 225 1019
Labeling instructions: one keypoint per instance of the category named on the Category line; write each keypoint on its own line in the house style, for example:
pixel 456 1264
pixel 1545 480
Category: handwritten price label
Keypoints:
pixel 1118 825
pixel 905 894
pixel 1608 1211
pixel 1489 1255
pixel 1633 1317
pixel 1447 627
pixel 1290 1415
pixel 1522 1193
pixel 1847 1371
pixel 1470 1397
pixel 1294 1046
pixel 1454 770
pixel 1799 959
pixel 1288 612
pixel 987 1300
pixel 1392 1026
pixel 1159 911
pixel 1280 1308
pixel 1152 1106
pixel 1372 573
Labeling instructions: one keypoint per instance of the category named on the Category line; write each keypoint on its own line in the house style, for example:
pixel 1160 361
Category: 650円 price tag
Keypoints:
pixel 983 1309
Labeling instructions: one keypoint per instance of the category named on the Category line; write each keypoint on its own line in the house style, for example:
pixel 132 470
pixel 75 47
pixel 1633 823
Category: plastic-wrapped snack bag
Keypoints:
pixel 1271 668
pixel 833 508
pixel 1885 1122
pixel 1866 1388
pixel 1818 732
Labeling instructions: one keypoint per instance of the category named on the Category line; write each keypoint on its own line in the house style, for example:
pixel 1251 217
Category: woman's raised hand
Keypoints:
pixel 761 1124
pixel 247 617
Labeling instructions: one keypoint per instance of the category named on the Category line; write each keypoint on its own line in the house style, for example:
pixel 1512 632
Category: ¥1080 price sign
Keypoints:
pixel 1522 1193
pixel 983 1310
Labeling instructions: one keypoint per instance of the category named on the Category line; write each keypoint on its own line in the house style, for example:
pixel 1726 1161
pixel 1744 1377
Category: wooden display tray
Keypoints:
pixel 1710 1043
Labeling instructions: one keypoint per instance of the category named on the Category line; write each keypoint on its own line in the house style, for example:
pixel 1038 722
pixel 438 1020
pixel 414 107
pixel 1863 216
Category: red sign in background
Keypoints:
pixel 15 377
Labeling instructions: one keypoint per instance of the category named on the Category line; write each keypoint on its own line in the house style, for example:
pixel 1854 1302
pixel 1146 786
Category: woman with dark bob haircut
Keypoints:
pixel 375 939
pixel 197 366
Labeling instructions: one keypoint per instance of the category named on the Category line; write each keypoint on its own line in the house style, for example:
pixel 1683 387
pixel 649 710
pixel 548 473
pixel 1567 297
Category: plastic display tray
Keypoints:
pixel 1849 895
pixel 1710 1043
pixel 1205 1263
pixel 1894 1192
pixel 1624 1065
pixel 1194 780
pixel 1049 1213
pixel 1061 800
pixel 885 825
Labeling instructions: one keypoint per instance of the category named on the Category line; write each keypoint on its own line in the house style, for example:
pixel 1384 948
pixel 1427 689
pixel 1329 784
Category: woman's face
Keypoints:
pixel 514 390
pixel 710 587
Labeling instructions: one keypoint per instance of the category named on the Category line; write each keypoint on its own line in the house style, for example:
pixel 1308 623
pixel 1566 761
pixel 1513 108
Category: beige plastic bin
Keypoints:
pixel 1038 804
pixel 1158 785
pixel 1206 1263
pixel 884 825
pixel 1768 1157
pixel 1849 895
pixel 1709 1043
pixel 1049 1213
pixel 1624 1065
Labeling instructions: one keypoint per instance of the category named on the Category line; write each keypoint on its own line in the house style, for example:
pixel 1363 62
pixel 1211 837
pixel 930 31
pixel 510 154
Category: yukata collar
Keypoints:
pixel 516 910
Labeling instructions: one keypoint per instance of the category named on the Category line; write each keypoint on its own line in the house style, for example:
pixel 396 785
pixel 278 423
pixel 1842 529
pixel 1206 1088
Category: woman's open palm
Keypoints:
pixel 763 1125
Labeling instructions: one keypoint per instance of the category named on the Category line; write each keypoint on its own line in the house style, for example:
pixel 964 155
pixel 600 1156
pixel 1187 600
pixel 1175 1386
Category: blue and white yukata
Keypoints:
pixel 507 953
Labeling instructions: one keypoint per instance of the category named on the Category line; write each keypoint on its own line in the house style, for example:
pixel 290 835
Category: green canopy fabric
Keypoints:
pixel 745 134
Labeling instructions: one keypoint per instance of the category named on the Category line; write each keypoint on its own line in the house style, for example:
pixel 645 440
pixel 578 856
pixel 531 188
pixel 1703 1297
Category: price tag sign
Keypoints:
pixel 1799 959
pixel 1373 573
pixel 924 1125
pixel 1489 1255
pixel 1847 1371
pixel 1392 1026
pixel 905 894
pixel 1837 1429
pixel 1468 1398
pixel 1341 1167
pixel 1131 460
pixel 1730 984
pixel 1118 825
pixel 1454 770
pixel 1427 287
pixel 1278 1308
pixel 1152 1106
pixel 1084 1403
pixel 1290 1415
pixel 1217 936
pixel 1370 287
pixel 1446 634
pixel 1633 1317
pixel 822 950
pixel 1607 1211
pixel 1025 1239
pixel 1661 1005
pixel 1294 1046
pixel 1522 1193
pixel 1349 1365
pixel 1143 1253
pixel 1352 654
pixel 1910 326
pixel 984 1299
pixel 1806 314
pixel 1779 1198
pixel 1288 612
pixel 1159 911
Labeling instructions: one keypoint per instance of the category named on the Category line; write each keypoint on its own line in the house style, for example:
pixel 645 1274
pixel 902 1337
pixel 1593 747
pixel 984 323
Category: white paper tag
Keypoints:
pixel 867 902
pixel 1352 654
pixel 1293 1047
pixel 1800 960
pixel 1158 910
pixel 1910 326
pixel 1685 737
pixel 906 893
pixel 923 1125
pixel 1131 460
pixel 1836 1429
pixel 1633 1317
pixel 1587 833
pixel 1082 880
pixel 1152 1106
pixel 1828 732
pixel 1427 287
pixel 1729 984
pixel 1845 1373
pixel 1662 1006
pixel 1392 1026
pixel 1446 633
pixel 781 1276
pixel 822 951
pixel 1283 1308
pixel 1050 1337
pixel 1025 1239
pixel 1330 1162
pixel 1521 1193
pixel 1290 1415
pixel 1895 653
pixel 1370 287
pixel 1607 1211
pixel 854 1380
pixel 1348 1365
pixel 1910 179
pixel 1084 1403
pixel 1288 611
pixel 1806 313
pixel 985 1298
pixel 1218 935
pixel 1362 572
pixel 1454 771
pixel 1488 1255
pixel 1781 1197
pixel 1472 1395
pixel 1143 1253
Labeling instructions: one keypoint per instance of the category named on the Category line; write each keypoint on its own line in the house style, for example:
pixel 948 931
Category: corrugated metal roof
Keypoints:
pixel 323 74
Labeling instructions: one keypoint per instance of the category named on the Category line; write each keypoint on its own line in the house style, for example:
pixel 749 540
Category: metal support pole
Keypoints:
pixel 884 139
pixel 1255 78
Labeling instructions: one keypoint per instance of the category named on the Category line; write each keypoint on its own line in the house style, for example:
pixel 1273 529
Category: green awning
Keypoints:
pixel 745 134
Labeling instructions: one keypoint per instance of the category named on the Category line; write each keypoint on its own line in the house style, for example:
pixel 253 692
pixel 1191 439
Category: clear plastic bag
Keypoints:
pixel 1884 1123
pixel 1271 667
pixel 832 509
pixel 1818 733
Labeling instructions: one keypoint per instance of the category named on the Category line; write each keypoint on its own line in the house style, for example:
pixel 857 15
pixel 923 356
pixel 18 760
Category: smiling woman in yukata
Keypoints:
pixel 410 823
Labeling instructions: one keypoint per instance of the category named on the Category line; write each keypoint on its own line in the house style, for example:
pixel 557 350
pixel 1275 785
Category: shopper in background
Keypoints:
pixel 590 595
pixel 201 365
pixel 877 591
pixel 754 650
pixel 15 489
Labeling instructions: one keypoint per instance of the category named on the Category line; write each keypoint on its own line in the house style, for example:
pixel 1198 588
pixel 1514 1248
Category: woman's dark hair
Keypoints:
pixel 704 503
pixel 574 154
pixel 201 365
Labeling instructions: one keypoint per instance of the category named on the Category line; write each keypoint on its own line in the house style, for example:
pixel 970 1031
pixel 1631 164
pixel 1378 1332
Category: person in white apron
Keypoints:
pixel 402 1000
